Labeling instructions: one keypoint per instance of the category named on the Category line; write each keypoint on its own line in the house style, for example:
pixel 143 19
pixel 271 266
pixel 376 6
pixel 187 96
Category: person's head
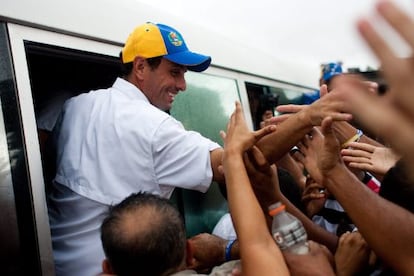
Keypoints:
pixel 314 204
pixel 143 235
pixel 267 114
pixel 397 187
pixel 328 72
pixel 155 59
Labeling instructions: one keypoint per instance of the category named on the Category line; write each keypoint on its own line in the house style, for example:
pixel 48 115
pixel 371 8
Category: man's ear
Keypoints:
pixel 138 66
pixel 189 254
pixel 106 267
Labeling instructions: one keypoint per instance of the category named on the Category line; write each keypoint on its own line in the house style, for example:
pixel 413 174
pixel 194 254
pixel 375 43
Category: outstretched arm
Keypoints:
pixel 374 216
pixel 259 253
pixel 291 131
pixel 266 187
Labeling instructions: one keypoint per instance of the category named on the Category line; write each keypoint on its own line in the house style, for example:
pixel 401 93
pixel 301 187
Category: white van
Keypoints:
pixel 52 49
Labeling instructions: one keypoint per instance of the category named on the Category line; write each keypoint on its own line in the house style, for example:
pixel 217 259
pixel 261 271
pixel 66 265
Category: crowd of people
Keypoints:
pixel 109 205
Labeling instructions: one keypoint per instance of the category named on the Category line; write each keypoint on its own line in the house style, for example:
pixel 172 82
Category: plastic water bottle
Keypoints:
pixel 287 230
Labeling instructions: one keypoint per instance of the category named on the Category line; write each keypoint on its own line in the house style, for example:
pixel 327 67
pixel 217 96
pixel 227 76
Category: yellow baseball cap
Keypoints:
pixel 153 40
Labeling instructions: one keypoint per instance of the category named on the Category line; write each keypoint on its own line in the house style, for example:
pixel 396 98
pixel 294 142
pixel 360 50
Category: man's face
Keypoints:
pixel 313 197
pixel 162 84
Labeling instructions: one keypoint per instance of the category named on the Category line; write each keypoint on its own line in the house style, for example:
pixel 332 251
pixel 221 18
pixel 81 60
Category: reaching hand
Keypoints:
pixel 326 106
pixel 239 138
pixel 308 153
pixel 352 255
pixel 394 122
pixel 319 261
pixel 207 251
pixel 370 158
pixel 329 156
pixel 398 71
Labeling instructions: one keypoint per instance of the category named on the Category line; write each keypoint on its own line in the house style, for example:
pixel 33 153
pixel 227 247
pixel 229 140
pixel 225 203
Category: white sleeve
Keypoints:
pixel 181 157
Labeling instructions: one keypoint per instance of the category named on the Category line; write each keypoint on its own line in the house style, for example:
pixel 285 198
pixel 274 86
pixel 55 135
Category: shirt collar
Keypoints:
pixel 129 90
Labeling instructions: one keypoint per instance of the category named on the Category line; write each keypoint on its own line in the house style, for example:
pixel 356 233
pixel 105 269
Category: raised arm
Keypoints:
pixel 291 131
pixel 259 253
pixel 266 187
pixel 375 217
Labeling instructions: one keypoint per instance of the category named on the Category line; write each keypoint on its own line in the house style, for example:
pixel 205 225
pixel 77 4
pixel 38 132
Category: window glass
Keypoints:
pixel 287 96
pixel 205 107
pixel 264 98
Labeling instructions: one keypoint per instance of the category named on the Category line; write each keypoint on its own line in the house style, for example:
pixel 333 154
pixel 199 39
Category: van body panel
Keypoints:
pixel 112 21
pixel 49 47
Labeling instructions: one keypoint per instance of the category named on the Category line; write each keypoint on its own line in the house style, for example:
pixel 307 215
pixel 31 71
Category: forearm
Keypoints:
pixel 368 140
pixel 386 227
pixel 247 215
pixel 344 131
pixel 267 193
pixel 215 160
pixel 287 135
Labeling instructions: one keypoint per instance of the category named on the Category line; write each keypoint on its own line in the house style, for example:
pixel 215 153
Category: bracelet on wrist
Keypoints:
pixel 354 138
pixel 227 255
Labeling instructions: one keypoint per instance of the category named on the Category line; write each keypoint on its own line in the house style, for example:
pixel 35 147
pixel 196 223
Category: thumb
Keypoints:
pixel 223 135
pixel 328 133
pixel 323 90
pixel 326 127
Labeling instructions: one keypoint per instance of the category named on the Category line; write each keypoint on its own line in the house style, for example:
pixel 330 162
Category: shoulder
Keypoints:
pixel 86 97
pixel 226 268
pixel 187 272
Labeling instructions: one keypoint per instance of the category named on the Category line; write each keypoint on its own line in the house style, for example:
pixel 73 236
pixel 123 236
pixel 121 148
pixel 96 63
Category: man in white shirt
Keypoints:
pixel 117 141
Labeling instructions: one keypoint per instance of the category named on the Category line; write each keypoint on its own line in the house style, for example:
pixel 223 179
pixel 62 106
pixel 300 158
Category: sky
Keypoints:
pixel 303 31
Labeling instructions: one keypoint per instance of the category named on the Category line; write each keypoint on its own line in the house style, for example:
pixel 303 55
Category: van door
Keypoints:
pixel 19 251
pixel 38 66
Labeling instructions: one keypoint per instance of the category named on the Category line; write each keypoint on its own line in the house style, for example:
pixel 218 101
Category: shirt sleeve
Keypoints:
pixel 181 157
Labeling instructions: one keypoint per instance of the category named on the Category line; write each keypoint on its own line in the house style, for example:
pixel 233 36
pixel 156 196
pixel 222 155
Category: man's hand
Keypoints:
pixel 352 255
pixel 309 147
pixel 238 138
pixel 207 251
pixel 377 160
pixel 329 156
pixel 319 261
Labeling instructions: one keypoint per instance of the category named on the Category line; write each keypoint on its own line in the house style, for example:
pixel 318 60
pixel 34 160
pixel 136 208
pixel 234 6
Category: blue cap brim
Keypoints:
pixel 193 61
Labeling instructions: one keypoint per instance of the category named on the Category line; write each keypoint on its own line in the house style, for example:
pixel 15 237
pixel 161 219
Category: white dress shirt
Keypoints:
pixel 111 143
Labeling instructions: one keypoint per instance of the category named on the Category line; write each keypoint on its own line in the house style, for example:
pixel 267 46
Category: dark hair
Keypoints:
pixel 126 68
pixel 397 187
pixel 156 243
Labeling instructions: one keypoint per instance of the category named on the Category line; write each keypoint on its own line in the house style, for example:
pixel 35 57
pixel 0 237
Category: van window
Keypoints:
pixel 205 107
pixel 265 97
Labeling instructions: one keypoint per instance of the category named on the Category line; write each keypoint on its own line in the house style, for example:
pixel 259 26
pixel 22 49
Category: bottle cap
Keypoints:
pixel 276 208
